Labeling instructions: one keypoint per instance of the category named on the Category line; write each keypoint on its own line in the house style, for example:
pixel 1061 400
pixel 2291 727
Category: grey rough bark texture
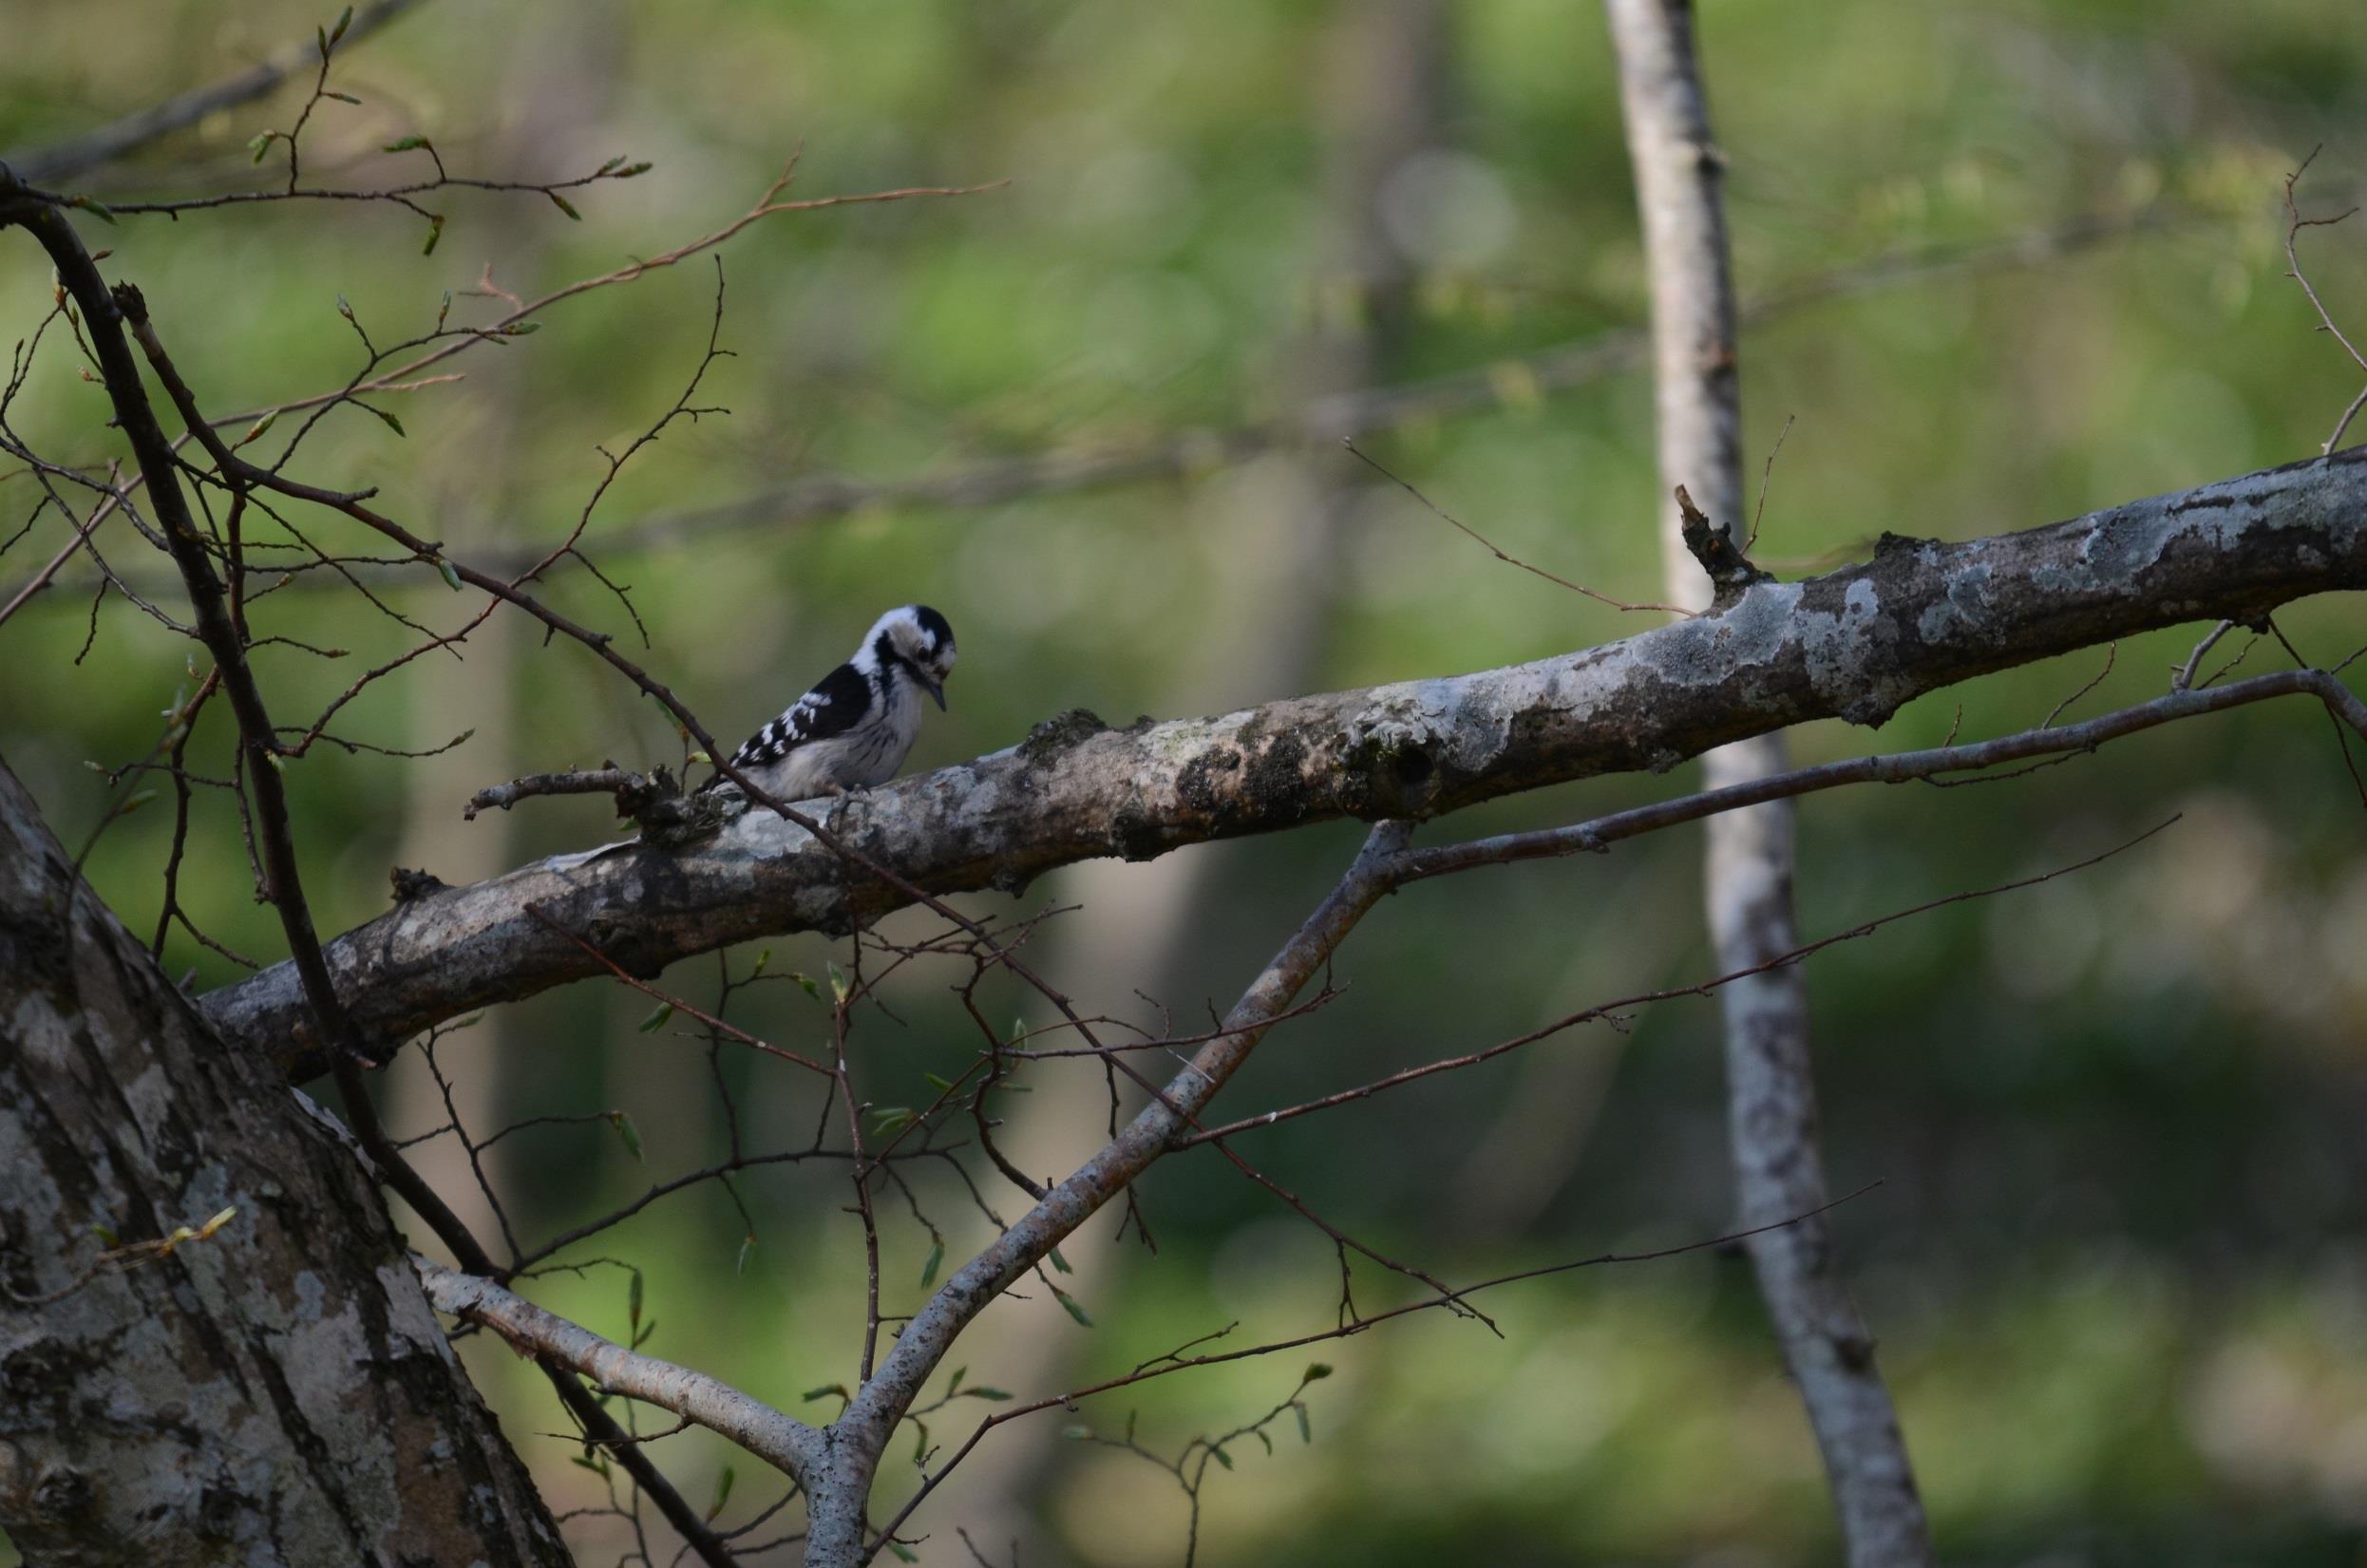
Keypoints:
pixel 1855 643
pixel 1748 871
pixel 278 1392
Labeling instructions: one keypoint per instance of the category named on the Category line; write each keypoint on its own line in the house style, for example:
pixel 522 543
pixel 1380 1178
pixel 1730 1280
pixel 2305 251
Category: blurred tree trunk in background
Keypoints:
pixel 1275 536
pixel 275 1393
pixel 567 94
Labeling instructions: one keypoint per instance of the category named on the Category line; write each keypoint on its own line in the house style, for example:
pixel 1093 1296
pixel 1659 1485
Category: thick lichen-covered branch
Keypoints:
pixel 1855 643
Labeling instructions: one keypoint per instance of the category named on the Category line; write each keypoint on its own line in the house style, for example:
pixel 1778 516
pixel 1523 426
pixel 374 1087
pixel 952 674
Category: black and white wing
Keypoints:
pixel 836 705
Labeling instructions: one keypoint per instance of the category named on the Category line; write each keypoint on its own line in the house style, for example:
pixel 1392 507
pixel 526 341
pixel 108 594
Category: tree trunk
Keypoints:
pixel 1779 1172
pixel 277 1391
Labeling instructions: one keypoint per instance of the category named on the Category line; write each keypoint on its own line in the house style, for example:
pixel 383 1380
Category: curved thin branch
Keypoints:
pixel 784 1443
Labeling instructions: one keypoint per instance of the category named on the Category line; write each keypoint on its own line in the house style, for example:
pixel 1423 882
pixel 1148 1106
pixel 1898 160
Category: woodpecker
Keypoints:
pixel 857 725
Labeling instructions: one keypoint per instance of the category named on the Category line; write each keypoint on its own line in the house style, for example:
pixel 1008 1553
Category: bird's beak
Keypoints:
pixel 934 689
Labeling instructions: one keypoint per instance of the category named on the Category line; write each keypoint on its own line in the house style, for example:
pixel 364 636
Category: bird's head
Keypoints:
pixel 919 640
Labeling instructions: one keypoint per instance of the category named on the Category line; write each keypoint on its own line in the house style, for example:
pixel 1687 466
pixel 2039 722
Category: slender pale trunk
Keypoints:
pixel 1770 1080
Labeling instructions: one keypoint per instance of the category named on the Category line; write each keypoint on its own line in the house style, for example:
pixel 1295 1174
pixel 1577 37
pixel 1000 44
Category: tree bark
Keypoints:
pixel 1770 1073
pixel 1854 644
pixel 276 1392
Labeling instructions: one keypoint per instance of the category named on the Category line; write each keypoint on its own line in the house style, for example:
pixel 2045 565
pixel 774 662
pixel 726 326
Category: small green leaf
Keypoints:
pixel 748 1245
pixel 521 328
pixel 407 144
pixel 435 235
pixel 723 1492
pixel 952 1385
pixel 344 308
pixel 261 144
pixel 1061 1263
pixel 630 170
pixel 341 96
pixel 656 1021
pixel 106 1232
pixel 1075 1309
pixel 626 1130
pixel 827 1390
pixel 928 1270
pixel 1306 1433
pixel 565 205
pixel 1078 1434
pixel 1315 1374
pixel 633 1299
pixel 1222 1457
pixel 345 20
pixel 807 980
pixel 451 574
pixel 887 1120
pixel 838 982
pixel 256 430
pixel 994 1396
pixel 135 802
pixel 95 207
pixel 610 164
pixel 596 1466
pixel 943 1085
pixel 641 1335
pixel 903 1553
pixel 763 959
pixel 388 420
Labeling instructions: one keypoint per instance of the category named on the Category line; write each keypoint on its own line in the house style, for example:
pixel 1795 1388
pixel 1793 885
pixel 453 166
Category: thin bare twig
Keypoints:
pixel 2325 317
pixel 106 315
pixel 1468 532
pixel 1167 1367
pixel 1616 1010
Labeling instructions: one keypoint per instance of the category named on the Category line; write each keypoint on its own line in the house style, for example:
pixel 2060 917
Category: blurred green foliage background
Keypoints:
pixel 2115 1256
